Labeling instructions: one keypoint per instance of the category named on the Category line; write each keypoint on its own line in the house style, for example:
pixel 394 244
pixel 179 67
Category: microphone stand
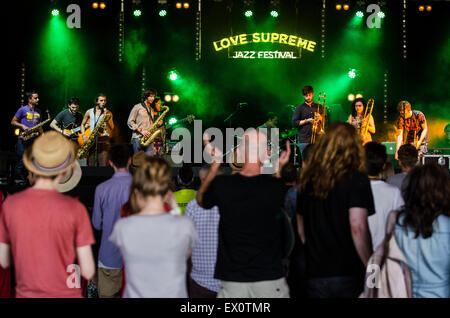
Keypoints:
pixel 238 108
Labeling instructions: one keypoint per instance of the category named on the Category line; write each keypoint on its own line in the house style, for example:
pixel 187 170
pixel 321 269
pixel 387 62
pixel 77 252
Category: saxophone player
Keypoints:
pixel 141 119
pixel 25 118
pixel 98 154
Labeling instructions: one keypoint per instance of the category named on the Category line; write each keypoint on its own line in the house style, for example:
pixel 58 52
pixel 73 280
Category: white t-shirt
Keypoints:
pixel 386 198
pixel 154 250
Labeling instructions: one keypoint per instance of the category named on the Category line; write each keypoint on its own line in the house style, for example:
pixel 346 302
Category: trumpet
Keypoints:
pixel 315 128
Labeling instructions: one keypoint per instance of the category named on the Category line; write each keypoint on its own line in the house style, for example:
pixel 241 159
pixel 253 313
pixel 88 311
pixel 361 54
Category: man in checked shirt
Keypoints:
pixel 202 283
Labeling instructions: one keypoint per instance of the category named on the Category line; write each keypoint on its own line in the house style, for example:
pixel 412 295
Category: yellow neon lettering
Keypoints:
pixel 267 39
pixel 283 38
pixel 216 47
pixel 234 40
pixel 292 40
pixel 302 43
pixel 256 37
pixel 275 37
pixel 311 46
pixel 223 41
pixel 243 39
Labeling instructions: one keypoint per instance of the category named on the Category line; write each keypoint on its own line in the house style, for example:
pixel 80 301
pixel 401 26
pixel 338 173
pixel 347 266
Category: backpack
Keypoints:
pixel 388 274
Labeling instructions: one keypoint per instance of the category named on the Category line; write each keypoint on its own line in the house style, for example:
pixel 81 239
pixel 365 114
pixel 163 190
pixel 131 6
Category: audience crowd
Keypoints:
pixel 309 232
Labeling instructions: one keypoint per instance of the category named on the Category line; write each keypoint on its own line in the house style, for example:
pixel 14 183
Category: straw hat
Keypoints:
pixel 52 154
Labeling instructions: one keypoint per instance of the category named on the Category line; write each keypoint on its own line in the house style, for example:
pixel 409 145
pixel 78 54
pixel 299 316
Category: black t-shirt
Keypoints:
pixel 330 250
pixel 250 245
pixel 66 120
pixel 303 112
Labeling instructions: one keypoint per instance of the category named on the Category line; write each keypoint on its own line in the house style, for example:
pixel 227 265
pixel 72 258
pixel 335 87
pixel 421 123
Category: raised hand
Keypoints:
pixel 285 155
pixel 214 152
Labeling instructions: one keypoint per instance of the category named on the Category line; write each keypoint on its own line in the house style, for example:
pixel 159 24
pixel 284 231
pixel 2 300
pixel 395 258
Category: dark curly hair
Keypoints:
pixel 363 101
pixel 427 196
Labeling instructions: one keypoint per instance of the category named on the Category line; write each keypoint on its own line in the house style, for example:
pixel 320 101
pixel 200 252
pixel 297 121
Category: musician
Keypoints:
pixel 411 128
pixel 360 122
pixel 141 119
pixel 98 154
pixel 160 145
pixel 304 116
pixel 25 118
pixel 68 121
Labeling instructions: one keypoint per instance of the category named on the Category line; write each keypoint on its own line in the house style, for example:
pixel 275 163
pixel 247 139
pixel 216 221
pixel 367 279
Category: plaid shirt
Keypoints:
pixel 204 254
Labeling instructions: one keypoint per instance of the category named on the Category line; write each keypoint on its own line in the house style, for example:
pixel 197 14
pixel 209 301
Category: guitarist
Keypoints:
pixel 68 121
pixel 98 154
pixel 25 118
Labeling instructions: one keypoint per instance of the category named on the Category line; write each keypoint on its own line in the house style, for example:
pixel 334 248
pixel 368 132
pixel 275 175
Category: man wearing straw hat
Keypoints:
pixel 45 230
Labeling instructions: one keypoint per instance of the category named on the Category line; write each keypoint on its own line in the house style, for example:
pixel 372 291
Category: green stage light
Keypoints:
pixel 162 13
pixel 352 73
pixel 274 13
pixel 248 13
pixel 173 121
pixel 381 14
pixel 55 12
pixel 359 14
pixel 173 76
pixel 137 13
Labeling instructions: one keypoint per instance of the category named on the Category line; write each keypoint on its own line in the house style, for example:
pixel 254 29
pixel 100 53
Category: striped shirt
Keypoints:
pixel 204 255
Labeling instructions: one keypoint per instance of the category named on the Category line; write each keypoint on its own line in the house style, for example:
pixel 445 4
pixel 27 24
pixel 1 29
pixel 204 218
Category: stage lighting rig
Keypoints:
pixel 171 97
pixel 99 5
pixel 181 4
pixel 249 8
pixel 425 7
pixel 137 8
pixel 162 8
pixel 275 8
pixel 342 6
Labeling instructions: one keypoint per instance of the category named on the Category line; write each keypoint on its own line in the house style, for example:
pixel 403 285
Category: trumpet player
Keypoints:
pixel 25 118
pixel 304 117
pixel 411 128
pixel 360 118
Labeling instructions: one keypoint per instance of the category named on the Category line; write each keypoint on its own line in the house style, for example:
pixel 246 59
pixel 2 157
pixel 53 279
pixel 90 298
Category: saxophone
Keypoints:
pixel 83 151
pixel 34 131
pixel 154 130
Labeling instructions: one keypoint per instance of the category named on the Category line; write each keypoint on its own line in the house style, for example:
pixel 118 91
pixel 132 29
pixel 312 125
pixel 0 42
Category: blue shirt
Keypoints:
pixel 290 202
pixel 428 259
pixel 204 255
pixel 109 198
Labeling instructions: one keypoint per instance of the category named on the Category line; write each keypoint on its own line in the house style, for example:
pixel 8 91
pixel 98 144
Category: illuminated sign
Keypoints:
pixel 280 38
pixel 264 55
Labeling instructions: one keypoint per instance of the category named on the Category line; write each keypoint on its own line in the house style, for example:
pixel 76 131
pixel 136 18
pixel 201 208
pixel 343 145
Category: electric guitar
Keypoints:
pixel 70 130
pixel 188 119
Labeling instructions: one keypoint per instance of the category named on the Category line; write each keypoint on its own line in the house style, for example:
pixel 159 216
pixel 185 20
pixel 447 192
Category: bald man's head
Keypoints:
pixel 253 148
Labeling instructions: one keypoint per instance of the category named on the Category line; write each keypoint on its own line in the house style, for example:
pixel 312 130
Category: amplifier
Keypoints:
pixel 390 147
pixel 443 160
